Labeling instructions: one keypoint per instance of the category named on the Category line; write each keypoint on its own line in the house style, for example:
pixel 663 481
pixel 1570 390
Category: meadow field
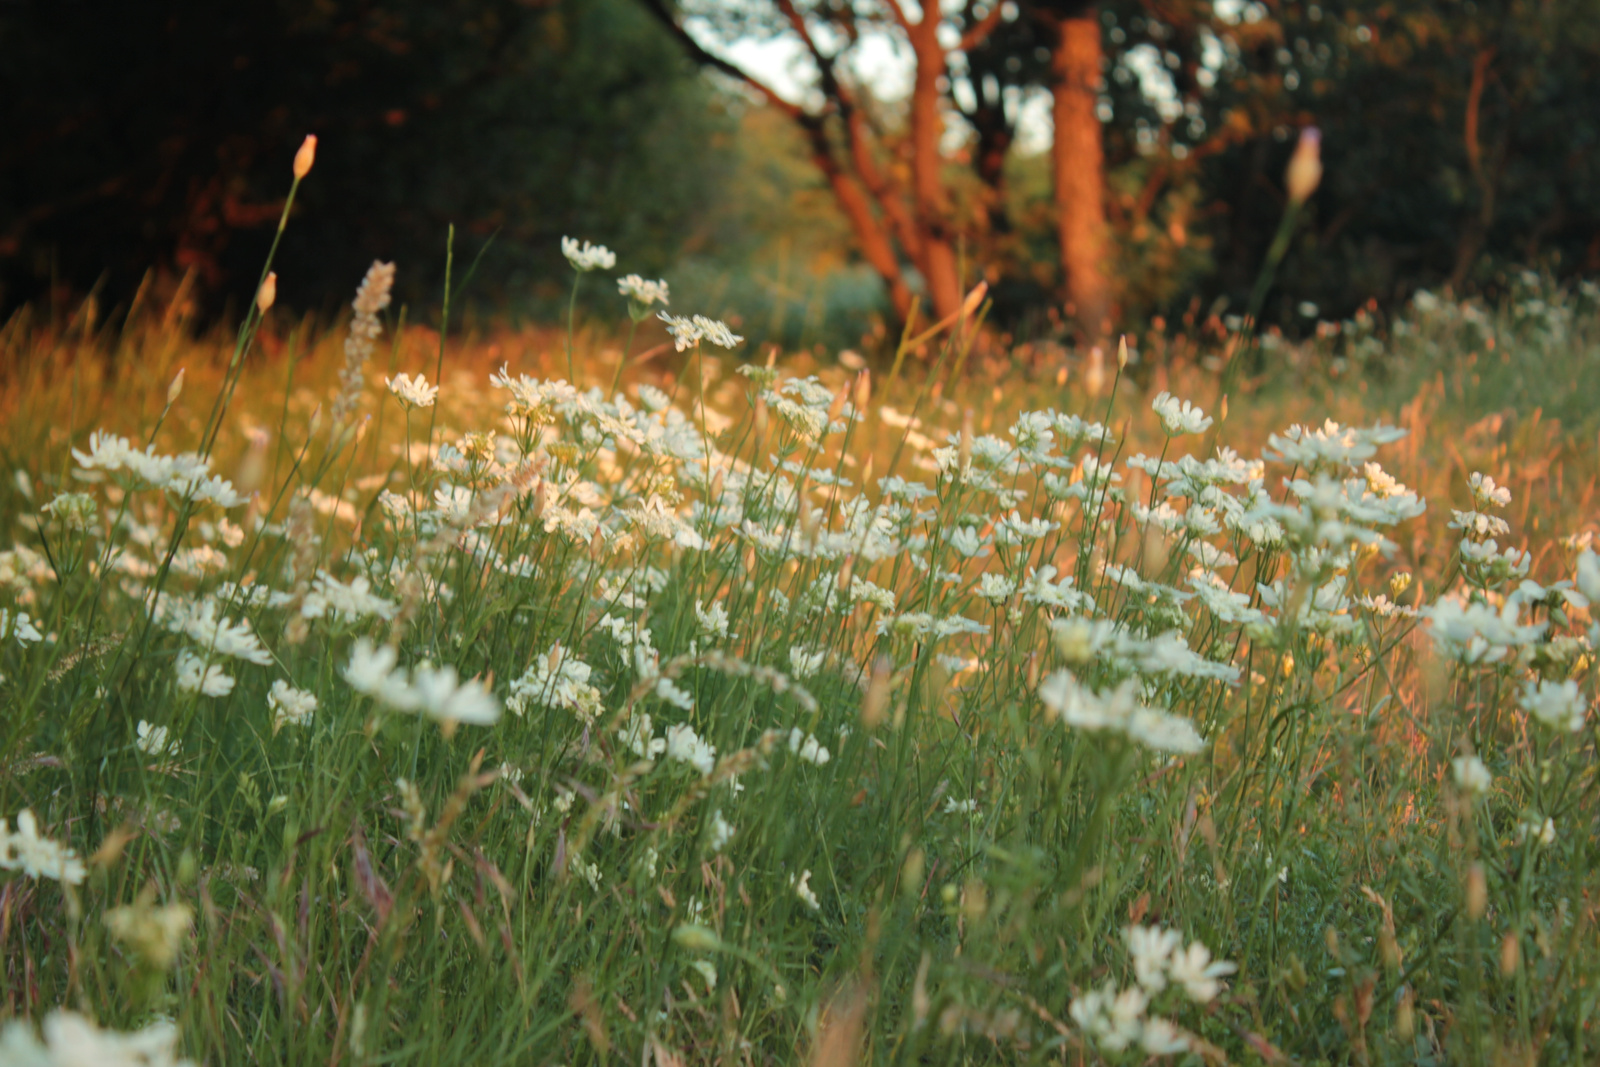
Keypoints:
pixel 514 699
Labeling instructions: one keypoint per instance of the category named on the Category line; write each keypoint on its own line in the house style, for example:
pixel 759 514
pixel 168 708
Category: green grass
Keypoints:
pixel 374 885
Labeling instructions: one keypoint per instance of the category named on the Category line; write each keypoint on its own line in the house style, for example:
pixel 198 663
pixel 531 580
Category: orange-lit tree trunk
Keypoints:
pixel 938 265
pixel 1079 162
pixel 900 216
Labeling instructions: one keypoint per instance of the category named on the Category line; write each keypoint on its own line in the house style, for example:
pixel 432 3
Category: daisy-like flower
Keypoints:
pixel 1179 416
pixel 412 392
pixel 587 257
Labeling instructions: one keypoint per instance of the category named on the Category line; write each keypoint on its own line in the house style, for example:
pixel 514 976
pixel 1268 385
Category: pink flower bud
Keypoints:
pixel 1305 166
pixel 305 157
pixel 267 295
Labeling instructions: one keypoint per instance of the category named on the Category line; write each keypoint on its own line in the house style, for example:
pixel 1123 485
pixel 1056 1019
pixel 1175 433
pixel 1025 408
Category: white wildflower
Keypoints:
pixel 807 747
pixel 587 257
pixel 195 675
pixel 1179 416
pixel 1471 776
pixel 1556 704
pixel 802 889
pixel 641 291
pixel 36 856
pixel 686 746
pixel 289 706
pixel 412 392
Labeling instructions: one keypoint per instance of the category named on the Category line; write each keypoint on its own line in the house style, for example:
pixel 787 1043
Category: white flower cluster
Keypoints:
pixel 436 692
pixel 187 476
pixel 557 679
pixel 585 257
pixel 1119 1019
pixel 1118 711
pixel 290 706
pixel 641 291
pixel 412 392
pixel 688 331
pixel 70 1040
pixel 36 856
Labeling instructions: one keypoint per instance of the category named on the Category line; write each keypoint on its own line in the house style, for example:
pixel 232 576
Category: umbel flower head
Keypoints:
pixel 643 292
pixel 587 257
pixel 687 332
pixel 412 392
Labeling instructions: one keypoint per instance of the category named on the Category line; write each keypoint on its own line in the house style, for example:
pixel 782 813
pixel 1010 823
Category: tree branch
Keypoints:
pixel 700 55
pixel 980 30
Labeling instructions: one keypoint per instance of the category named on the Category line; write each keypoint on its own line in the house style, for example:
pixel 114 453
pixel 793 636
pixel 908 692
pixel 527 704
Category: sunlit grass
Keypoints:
pixel 752 717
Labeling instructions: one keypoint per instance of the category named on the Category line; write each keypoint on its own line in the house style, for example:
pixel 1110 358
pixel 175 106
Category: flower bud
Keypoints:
pixel 1510 955
pixel 1122 352
pixel 1477 892
pixel 1305 166
pixel 969 306
pixel 175 390
pixel 696 938
pixel 306 156
pixel 267 295
pixel 1405 1017
pixel 876 699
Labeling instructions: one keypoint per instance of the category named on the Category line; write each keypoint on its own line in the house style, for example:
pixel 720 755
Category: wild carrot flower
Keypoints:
pixel 412 392
pixel 641 292
pixel 587 257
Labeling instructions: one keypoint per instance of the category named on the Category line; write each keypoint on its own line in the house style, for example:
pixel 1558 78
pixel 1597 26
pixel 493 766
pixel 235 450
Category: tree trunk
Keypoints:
pixel 1079 160
pixel 932 206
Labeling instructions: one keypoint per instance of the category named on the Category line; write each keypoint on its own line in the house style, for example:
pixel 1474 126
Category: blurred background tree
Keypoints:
pixel 158 135
pixel 810 164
